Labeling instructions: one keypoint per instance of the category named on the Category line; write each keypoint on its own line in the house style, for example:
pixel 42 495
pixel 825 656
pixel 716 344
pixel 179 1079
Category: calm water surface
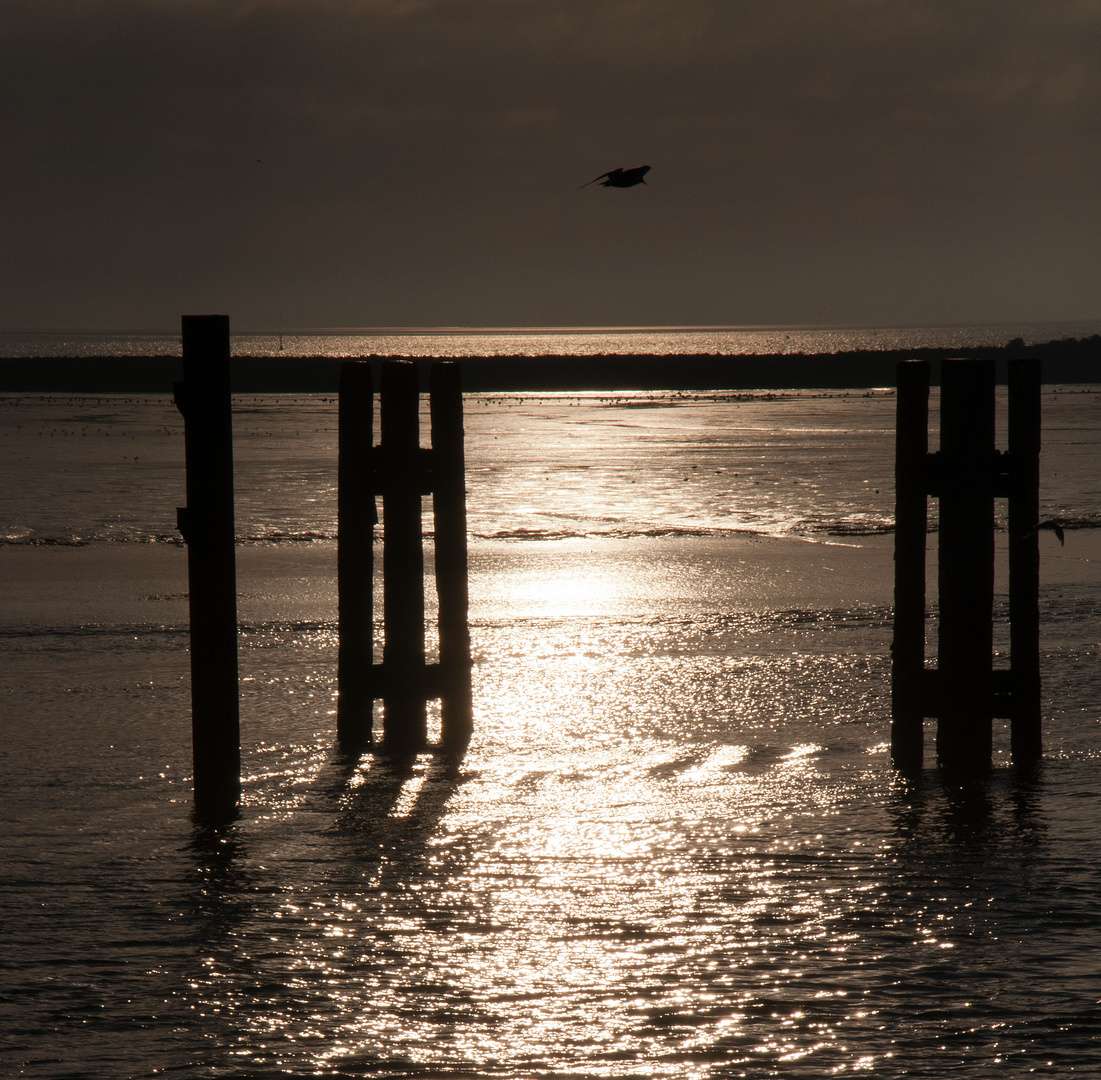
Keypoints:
pixel 675 847
pixel 544 341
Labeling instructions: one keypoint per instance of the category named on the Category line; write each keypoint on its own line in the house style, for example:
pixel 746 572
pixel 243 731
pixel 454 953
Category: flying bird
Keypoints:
pixel 1054 526
pixel 621 177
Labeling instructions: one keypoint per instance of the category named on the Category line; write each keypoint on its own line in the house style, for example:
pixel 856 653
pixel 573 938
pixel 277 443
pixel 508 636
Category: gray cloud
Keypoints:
pixel 382 162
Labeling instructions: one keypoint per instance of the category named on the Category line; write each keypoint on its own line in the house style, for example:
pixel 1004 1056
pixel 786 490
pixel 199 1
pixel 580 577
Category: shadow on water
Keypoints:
pixel 295 926
pixel 964 811
pixel 369 800
pixel 216 847
pixel 364 794
pixel 219 856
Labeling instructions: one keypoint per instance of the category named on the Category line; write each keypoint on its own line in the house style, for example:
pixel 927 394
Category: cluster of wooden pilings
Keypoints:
pixel 964 692
pixel 400 471
pixel 397 470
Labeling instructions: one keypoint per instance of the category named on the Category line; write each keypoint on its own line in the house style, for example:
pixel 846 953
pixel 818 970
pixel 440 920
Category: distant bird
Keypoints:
pixel 621 177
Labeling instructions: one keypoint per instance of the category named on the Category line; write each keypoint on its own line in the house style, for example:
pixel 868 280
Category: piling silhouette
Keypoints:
pixel 400 471
pixel 207 526
pixel 397 470
pixel 965 692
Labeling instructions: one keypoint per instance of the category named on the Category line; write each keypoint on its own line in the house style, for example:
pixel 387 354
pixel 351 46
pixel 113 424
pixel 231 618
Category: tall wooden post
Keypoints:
pixel 207 525
pixel 405 723
pixel 911 523
pixel 966 564
pixel 1024 559
pixel 357 516
pixel 449 513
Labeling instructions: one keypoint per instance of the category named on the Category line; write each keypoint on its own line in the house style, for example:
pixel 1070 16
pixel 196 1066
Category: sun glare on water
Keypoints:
pixel 569 594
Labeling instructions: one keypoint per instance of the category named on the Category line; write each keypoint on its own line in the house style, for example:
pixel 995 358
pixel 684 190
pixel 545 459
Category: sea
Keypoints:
pixel 548 341
pixel 676 846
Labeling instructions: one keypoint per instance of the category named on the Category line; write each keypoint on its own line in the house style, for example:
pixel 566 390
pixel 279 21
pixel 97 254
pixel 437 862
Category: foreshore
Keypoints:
pixel 145 585
pixel 1069 361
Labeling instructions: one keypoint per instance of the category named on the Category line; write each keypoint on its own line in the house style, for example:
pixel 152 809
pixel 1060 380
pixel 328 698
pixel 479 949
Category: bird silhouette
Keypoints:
pixel 621 177
pixel 1053 525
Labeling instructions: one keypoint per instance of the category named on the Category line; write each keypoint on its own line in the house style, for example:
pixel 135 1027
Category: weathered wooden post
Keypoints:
pixel 449 513
pixel 403 480
pixel 964 692
pixel 911 524
pixel 207 525
pixel 357 516
pixel 965 584
pixel 1024 560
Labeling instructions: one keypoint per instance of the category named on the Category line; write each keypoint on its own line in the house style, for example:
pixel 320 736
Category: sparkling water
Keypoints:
pixel 676 846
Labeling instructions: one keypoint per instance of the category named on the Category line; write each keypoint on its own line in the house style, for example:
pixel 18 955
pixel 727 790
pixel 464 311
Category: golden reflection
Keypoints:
pixel 638 874
pixel 563 591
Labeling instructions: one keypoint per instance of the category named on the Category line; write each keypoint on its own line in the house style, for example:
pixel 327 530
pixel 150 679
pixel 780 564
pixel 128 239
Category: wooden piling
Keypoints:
pixel 966 565
pixel 1024 559
pixel 403 480
pixel 964 692
pixel 449 516
pixel 207 525
pixel 357 516
pixel 908 707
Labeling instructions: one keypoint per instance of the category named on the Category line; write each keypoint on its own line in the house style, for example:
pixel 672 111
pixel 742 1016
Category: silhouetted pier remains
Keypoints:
pixel 964 692
pixel 399 471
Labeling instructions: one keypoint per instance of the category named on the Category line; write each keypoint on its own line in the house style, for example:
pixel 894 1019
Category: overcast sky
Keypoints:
pixel 318 163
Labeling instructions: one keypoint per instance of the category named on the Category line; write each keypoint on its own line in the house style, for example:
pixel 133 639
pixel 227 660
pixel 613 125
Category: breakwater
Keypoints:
pixel 1071 360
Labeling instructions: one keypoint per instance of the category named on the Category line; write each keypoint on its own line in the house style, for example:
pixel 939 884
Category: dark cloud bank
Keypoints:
pixel 322 163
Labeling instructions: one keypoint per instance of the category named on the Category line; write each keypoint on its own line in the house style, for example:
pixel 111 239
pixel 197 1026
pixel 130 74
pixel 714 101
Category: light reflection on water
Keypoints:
pixel 675 847
pixel 536 341
pixel 655 860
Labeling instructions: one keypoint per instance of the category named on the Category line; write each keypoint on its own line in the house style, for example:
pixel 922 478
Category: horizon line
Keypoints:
pixel 429 330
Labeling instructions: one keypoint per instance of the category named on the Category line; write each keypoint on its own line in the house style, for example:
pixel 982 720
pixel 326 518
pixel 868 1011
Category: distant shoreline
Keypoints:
pixel 1071 360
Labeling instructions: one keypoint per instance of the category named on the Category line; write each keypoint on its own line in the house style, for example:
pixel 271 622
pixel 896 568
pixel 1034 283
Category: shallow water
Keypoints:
pixel 675 846
pixel 550 466
pixel 548 341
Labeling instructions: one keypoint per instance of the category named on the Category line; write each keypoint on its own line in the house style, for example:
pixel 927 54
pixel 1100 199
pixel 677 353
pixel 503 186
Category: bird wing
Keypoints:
pixel 602 176
pixel 1052 525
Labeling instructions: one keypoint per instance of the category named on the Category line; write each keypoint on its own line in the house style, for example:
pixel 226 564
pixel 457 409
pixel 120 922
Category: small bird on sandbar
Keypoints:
pixel 621 177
